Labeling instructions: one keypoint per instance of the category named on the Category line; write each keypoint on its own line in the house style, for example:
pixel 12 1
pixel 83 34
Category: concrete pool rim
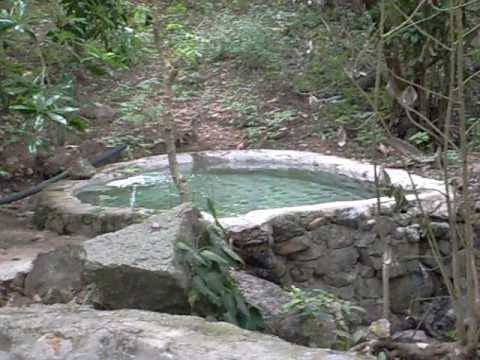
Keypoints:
pixel 59 209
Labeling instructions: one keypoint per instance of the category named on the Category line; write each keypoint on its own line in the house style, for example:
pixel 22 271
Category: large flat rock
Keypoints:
pixel 132 268
pixel 67 332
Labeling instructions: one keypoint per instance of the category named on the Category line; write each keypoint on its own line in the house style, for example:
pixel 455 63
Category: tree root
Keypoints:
pixel 417 351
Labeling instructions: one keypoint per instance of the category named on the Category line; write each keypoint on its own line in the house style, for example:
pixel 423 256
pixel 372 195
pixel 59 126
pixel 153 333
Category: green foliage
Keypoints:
pixel 370 131
pixel 16 20
pixel 101 62
pixel 420 55
pixel 180 37
pixel 187 48
pixel 336 36
pixel 95 19
pixel 15 26
pixel 420 138
pixel 211 282
pixel 323 305
pixel 42 107
pixel 248 39
pixel 332 57
pixel 102 36
pixel 118 26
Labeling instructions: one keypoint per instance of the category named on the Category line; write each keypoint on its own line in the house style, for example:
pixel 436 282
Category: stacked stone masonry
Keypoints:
pixel 342 253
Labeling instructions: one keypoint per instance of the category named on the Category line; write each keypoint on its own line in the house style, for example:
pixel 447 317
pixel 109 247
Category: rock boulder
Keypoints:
pixel 132 268
pixel 270 299
pixel 70 332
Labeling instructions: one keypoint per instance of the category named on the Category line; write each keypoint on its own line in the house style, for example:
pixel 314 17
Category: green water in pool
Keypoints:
pixel 234 191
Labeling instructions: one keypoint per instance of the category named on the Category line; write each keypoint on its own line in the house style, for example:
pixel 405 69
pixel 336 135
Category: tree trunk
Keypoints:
pixel 168 122
pixel 169 133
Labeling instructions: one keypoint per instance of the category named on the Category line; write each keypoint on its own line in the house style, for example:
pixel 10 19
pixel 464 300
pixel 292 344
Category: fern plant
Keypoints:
pixel 211 282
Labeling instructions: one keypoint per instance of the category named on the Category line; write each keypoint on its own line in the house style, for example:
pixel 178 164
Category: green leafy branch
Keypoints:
pixel 212 283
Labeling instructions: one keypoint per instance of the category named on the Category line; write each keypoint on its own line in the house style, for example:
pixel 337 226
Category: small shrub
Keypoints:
pixel 95 19
pixel 112 27
pixel 43 109
pixel 321 304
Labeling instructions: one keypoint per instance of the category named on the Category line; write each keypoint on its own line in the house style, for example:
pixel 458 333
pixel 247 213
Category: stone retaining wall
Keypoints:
pixel 342 252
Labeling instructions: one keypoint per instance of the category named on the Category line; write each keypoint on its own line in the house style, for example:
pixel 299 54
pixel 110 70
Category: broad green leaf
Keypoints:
pixel 382 356
pixel 182 246
pixel 229 303
pixel 254 321
pixel 214 257
pixel 96 70
pixel 343 334
pixel 358 308
pixel 211 209
pixel 66 109
pixel 322 315
pixel 39 101
pixel 32 148
pixel 230 252
pixel 202 288
pixel 52 100
pixel 241 304
pixel 58 118
pixel 214 281
pixel 39 121
pixel 6 24
pixel 24 108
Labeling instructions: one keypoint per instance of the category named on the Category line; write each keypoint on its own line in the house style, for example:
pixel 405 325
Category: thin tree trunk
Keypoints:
pixel 170 134
pixel 452 219
pixel 168 122
pixel 387 252
pixel 471 269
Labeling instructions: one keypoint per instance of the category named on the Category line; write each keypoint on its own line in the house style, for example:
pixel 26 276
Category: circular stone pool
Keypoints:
pixel 249 187
pixel 233 191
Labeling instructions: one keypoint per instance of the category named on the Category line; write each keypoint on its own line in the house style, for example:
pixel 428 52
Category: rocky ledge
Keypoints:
pixel 78 332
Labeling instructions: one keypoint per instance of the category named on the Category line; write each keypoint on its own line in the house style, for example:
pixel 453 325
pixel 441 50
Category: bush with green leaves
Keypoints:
pixel 15 19
pixel 45 109
pixel 212 285
pixel 322 305
pixel 25 86
pixel 15 26
pixel 112 27
pixel 36 76
pixel 95 19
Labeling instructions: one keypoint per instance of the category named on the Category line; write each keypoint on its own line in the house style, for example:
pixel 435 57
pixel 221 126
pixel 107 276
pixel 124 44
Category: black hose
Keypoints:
pixel 99 160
